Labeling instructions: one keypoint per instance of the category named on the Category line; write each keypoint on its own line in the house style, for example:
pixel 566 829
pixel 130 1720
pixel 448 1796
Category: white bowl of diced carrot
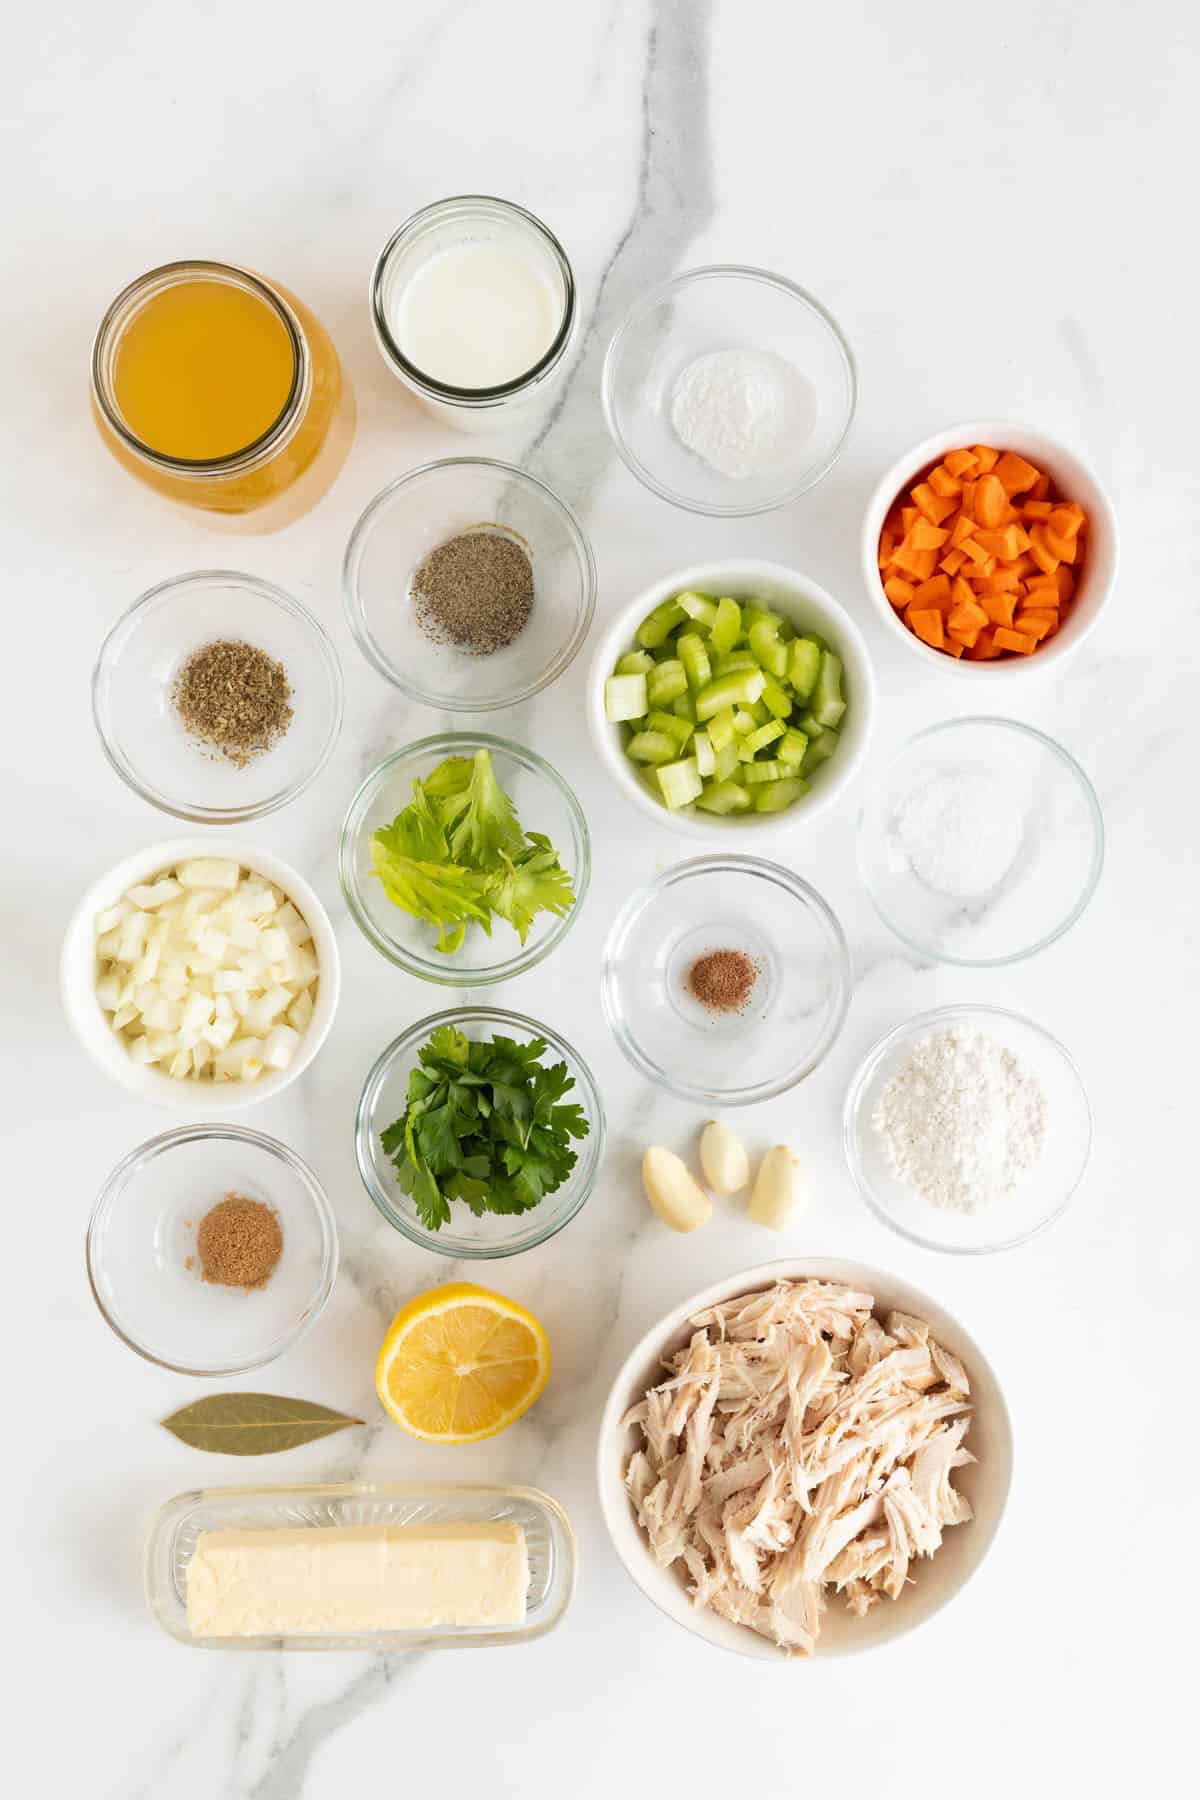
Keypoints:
pixel 989 547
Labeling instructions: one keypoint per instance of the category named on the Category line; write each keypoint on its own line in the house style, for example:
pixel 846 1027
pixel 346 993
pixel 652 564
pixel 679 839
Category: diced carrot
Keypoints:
pixel 1007 542
pixel 966 501
pixel 1065 582
pixel 1023 566
pixel 961 462
pixel 976 552
pixel 990 500
pixel 1068 517
pixel 1037 625
pixel 1014 474
pixel 932 505
pixel 1040 488
pixel 1013 640
pixel 1062 547
pixel 1036 509
pixel 952 562
pixel 969 618
pixel 925 536
pixel 961 592
pixel 961 528
pixel 1004 581
pixel 999 608
pixel 986 567
pixel 908 517
pixel 898 591
pixel 952 647
pixel 984 648
pixel 944 483
pixel 934 592
pixel 887 544
pixel 926 622
pixel 1040 550
pixel 987 459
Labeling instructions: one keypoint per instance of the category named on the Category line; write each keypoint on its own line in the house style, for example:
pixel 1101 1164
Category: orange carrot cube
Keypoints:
pixel 999 608
pixel 986 459
pixel 1013 640
pixel 990 501
pixel 934 592
pixel 1014 474
pixel 925 536
pixel 961 462
pixel 898 591
pixel 944 483
pixel 926 622
pixel 952 562
pixel 932 505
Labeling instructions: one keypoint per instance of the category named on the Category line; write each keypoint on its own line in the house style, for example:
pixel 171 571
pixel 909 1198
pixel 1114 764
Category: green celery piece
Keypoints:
pixel 804 662
pixel 684 707
pixel 720 728
pixel 679 783
pixel 671 725
pixel 706 756
pixel 666 682
pixel 636 662
pixel 624 698
pixel 726 628
pixel 793 747
pixel 694 657
pixel 755 773
pixel 767 649
pixel 733 660
pixel 779 795
pixel 657 626
pixel 726 760
pixel 481 821
pixel 759 710
pixel 760 615
pixel 744 722
pixel 723 798
pixel 821 746
pixel 762 735
pixel 652 747
pixel 827 702
pixel 700 607
pixel 776 698
pixel 740 689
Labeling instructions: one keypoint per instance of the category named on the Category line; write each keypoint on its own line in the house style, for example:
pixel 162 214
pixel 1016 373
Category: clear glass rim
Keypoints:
pixel 861 1080
pixel 922 947
pixel 635 316
pixel 235 462
pixel 114 642
pixel 798 889
pixel 134 1161
pixel 442 390
pixel 590 1155
pixel 356 612
pixel 460 975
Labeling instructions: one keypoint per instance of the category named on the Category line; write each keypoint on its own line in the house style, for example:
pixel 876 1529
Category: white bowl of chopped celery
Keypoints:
pixel 732 696
pixel 199 973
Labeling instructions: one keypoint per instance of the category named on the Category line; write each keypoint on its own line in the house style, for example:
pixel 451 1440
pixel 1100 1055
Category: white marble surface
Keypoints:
pixel 999 205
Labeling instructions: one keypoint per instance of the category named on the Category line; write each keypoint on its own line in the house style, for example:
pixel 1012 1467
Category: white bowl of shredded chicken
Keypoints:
pixel 807 1456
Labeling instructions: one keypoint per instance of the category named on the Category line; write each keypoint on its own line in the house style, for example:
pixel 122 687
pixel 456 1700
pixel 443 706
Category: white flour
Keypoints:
pixel 961 1121
pixel 744 412
pixel 961 833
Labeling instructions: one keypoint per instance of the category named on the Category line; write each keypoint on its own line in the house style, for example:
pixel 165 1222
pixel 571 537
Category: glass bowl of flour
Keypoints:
pixel 729 390
pixel 967 1129
pixel 981 842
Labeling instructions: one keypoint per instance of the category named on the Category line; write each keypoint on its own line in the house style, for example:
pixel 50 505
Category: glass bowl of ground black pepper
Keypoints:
pixel 211 1249
pixel 217 697
pixel 469 584
pixel 726 980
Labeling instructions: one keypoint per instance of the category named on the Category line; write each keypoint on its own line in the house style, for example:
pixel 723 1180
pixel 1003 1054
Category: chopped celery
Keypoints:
pixel 672 726
pixel 743 722
pixel 700 607
pixel 638 662
pixel 755 773
pixel 739 689
pixel 759 710
pixel 779 794
pixel 734 660
pixel 624 697
pixel 804 660
pixel 657 626
pixel 767 649
pixel 706 759
pixel 666 682
pixel 680 783
pixel 726 628
pixel 821 746
pixel 720 728
pixel 724 797
pixel 776 698
pixel 761 736
pixel 684 708
pixel 726 760
pixel 760 615
pixel 652 747
pixel 694 657
pixel 827 703
pixel 793 747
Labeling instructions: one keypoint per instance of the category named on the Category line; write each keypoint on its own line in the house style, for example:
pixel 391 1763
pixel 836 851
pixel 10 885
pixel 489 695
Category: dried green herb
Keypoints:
pixel 234 698
pixel 253 1424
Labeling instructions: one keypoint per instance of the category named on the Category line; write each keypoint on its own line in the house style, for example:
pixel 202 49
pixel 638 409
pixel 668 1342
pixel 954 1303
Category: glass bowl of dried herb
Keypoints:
pixel 217 697
pixel 468 584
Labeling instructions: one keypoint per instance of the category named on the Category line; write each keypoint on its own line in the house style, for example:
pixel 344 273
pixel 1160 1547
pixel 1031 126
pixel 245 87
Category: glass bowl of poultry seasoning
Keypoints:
pixel 211 1249
pixel 469 584
pixel 217 697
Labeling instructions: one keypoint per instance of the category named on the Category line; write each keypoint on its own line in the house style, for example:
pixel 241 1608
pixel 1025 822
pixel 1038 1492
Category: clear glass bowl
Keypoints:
pixel 424 509
pixel 143 1231
pixel 723 308
pixel 544 803
pixel 981 843
pixel 794 1011
pixel 1047 1189
pixel 385 1097
pixel 141 733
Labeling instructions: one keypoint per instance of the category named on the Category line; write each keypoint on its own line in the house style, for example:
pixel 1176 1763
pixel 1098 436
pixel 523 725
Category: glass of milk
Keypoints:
pixel 473 304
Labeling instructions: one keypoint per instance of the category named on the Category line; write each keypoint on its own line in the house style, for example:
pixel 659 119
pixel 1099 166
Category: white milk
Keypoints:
pixel 476 314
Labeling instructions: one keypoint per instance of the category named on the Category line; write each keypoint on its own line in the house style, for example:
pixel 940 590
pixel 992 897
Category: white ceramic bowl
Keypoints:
pixel 809 608
pixel 90 1023
pixel 1073 478
pixel 935 1582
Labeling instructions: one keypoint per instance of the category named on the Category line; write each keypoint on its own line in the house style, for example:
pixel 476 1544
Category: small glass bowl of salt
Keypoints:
pixel 729 390
pixel 981 842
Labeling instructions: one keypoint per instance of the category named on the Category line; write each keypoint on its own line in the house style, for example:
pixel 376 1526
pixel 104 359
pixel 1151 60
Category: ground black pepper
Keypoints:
pixel 475 592
pixel 723 980
pixel 235 698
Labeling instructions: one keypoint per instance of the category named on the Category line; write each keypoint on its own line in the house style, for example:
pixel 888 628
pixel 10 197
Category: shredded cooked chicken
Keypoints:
pixel 799 1444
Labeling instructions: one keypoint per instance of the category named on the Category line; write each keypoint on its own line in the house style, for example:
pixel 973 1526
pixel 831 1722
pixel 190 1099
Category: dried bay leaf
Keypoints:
pixel 253 1424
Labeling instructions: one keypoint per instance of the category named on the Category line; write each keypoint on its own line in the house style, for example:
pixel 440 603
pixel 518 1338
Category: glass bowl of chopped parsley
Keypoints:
pixel 464 859
pixel 479 1133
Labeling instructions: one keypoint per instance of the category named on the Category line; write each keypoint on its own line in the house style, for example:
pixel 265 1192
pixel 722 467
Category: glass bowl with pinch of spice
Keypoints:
pixel 469 584
pixel 726 980
pixel 217 697
pixel 211 1249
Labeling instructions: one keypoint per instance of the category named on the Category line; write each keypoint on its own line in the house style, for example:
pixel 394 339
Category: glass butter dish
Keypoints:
pixel 179 1524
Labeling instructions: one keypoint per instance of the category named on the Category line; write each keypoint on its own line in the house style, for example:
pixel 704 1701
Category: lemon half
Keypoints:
pixel 459 1363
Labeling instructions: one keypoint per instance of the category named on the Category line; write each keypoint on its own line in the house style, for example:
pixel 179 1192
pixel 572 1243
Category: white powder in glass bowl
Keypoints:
pixel 960 833
pixel 743 412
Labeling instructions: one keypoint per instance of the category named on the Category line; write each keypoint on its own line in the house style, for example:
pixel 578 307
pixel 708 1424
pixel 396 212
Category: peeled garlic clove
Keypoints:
pixel 779 1188
pixel 674 1195
pixel 723 1159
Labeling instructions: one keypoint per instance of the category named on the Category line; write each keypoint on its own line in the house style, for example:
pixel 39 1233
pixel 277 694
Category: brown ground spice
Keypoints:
pixel 239 1242
pixel 234 698
pixel 723 980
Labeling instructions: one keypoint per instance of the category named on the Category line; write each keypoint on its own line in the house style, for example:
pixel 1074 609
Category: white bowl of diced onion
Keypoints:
pixel 200 973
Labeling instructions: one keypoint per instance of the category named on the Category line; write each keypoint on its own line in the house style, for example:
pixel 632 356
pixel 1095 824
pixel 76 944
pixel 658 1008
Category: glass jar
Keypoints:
pixel 294 454
pixel 465 222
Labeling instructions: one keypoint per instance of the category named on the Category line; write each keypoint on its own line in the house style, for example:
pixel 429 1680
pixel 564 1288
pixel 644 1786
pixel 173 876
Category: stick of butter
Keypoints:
pixel 298 1582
